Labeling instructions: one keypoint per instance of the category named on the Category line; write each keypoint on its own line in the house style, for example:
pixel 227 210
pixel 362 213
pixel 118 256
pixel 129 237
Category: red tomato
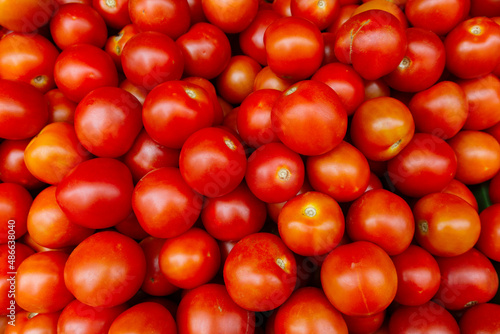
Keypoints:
pixel 115 44
pixel 381 128
pixel 311 224
pixel 209 309
pixel 345 12
pixel 49 226
pixel 232 16
pixel 426 165
pixel 383 218
pixel 206 50
pixel 105 270
pixel 374 42
pixel 174 110
pixel 26 15
pixel 54 152
pixel 61 109
pixel 212 93
pixel 459 189
pixel 478 156
pixel 234 215
pixel 274 209
pixel 213 162
pixel 376 88
pixel 107 121
pixel 76 23
pixel 308 311
pixel 321 13
pixel 267 79
pixel 282 7
pixel 387 6
pixel 28 322
pixel 362 325
pixel 494 190
pixel 190 259
pixel 169 17
pixel 359 278
pixel 446 225
pixel 131 228
pixel 196 11
pixel 309 118
pixel 82 68
pixel 114 12
pixel 151 58
pixel 148 316
pixel 260 272
pixel 87 319
pixel 489 239
pixel 422 64
pixel 343 173
pixel 294 47
pixel 482 318
pixel 13 168
pixel 236 80
pixel 15 202
pixel 440 110
pixel 175 208
pixel 328 50
pixel 40 284
pixel 466 280
pixel 138 91
pixel 97 193
pixel 274 173
pixel 21 118
pixel 473 48
pixel 28 58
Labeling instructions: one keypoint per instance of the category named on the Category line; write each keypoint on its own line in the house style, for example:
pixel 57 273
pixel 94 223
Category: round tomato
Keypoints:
pixel 321 13
pixel 459 189
pixel 212 94
pixel 232 16
pixel 366 324
pixel 15 203
pixel 489 239
pixel 61 109
pixel 114 12
pixel 13 168
pixel 115 44
pixel 146 316
pixel 482 318
pixel 494 190
pixel 26 15
pixel 267 79
pixel 236 80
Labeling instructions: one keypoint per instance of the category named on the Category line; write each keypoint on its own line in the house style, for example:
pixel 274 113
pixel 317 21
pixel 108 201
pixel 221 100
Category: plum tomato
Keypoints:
pixel 15 203
pixel 231 16
pixel 482 318
pixel 149 316
pixel 489 239
pixel 13 168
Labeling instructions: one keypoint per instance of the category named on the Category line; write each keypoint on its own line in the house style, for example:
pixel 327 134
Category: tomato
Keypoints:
pixel 482 318
pixel 49 226
pixel 209 309
pixel 196 11
pixel 260 272
pixel 308 311
pixel 322 14
pixel 459 189
pixel 131 228
pixel 427 318
pixel 105 270
pixel 232 16
pixel 234 215
pixel 206 50
pixel 107 121
pixel 381 128
pixel 190 259
pixel 376 88
pixel 494 190
pixel 267 79
pixel 345 12
pixel 147 316
pixel 236 80
pixel 478 156
pixel 473 48
pixel 169 17
pixel 488 242
pixel 368 324
pixel 114 12
pixel 213 162
pixel 28 58
pixel 76 23
pixel 439 17
pixel 466 280
pixel 343 173
pixel 97 193
pixel 27 322
pixel 311 224
pixel 282 7
pixel 82 68
pixel 115 44
pixel 21 118
pixel 40 284
pixel 374 42
pixel 61 109
pixel 359 278
pixel 151 58
pixel 212 93
pixel 15 204
pixel 54 152
pixel 294 47
pixel 155 283
pixel 274 209
pixel 85 319
pixel 138 91
pixel 13 169
pixel 26 15
pixel 175 208
pixel 484 8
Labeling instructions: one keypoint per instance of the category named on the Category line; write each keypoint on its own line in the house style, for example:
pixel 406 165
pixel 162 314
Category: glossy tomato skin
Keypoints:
pixel 115 44
pixel 40 284
pixel 27 322
pixel 482 318
pixel 308 311
pixel 87 319
pixel 488 242
pixel 213 162
pixel 61 109
pixel 267 79
pixel 82 68
pixel 466 280
pixel 236 80
pixel 155 283
pixel 21 118
pixel 317 103
pixel 107 121
pixel 144 316
pixel 15 204
pixel 348 278
pixel 389 6
pixel 27 15
pixel 269 264
pixel 494 190
pixel 294 47
pixel 13 168
pixel 321 14
pixel 210 309
pixel 367 324
pixel 174 200
pixel 231 16
pixel 359 43
pixel 97 193
pixel 209 87
pixel 150 58
pixel 174 110
pixel 115 263
pixel 459 189
pixel 115 13
pixel 131 228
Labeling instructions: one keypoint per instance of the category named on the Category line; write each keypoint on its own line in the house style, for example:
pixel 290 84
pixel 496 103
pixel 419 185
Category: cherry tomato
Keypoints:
pixel 26 15
pixel 114 12
pixel 322 14
pixel 483 318
pixel 148 316
pixel 236 80
pixel 232 16
pixel 13 168
pixel 488 242
pixel 15 204
pixel 61 109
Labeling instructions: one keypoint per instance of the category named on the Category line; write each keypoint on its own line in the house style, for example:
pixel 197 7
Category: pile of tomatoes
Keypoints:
pixel 249 166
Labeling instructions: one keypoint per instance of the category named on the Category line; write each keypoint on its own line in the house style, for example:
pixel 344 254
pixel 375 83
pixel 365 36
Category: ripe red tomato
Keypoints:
pixel 376 88
pixel 359 278
pixel 267 79
pixel 26 15
pixel 131 228
pixel 27 322
pixel 494 190
pixel 13 168
pixel 366 324
pixel 489 239
pixel 321 13
pixel 144 316
pixel 176 206
pixel 459 189
pixel 105 270
pixel 115 44
pixel 260 272
pixel 483 318
pixel 15 202
pixel 387 6
pixel 212 93
pixel 61 109
pixel 232 16
pixel 345 12
pixel 236 80
pixel 114 12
